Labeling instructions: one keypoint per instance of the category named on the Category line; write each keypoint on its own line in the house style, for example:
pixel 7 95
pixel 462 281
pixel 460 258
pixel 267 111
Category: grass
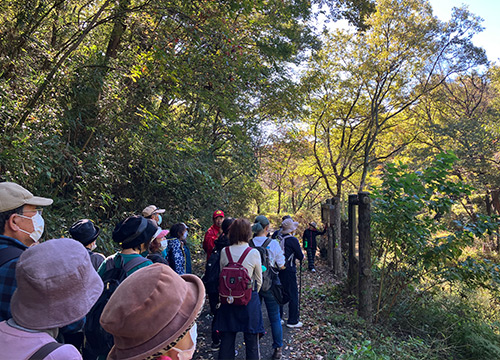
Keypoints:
pixel 461 325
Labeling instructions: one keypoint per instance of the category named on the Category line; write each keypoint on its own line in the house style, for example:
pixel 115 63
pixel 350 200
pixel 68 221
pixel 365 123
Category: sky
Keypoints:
pixel 488 10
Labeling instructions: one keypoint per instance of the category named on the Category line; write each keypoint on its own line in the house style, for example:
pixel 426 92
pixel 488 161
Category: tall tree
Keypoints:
pixel 361 86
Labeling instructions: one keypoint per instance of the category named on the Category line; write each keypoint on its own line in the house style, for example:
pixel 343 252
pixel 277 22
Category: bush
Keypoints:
pixel 461 324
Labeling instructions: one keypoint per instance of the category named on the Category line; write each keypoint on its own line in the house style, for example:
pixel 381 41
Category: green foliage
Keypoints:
pixel 463 324
pixel 363 351
pixel 412 241
pixel 109 106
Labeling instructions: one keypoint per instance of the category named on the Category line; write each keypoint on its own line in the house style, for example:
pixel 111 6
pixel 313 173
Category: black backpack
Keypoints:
pixel 267 271
pixel 99 341
pixel 212 272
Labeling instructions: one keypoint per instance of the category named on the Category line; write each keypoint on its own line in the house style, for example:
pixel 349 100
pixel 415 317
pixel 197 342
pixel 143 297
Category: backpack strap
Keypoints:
pixel 266 243
pixel 9 253
pixel 138 260
pixel 244 255
pixel 252 244
pixel 45 350
pixel 228 254
pixel 111 262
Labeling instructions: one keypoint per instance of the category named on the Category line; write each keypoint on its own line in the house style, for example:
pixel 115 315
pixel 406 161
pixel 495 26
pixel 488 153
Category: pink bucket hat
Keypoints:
pixel 56 285
pixel 150 311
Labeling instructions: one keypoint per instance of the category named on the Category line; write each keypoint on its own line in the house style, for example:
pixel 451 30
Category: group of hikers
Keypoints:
pixel 62 300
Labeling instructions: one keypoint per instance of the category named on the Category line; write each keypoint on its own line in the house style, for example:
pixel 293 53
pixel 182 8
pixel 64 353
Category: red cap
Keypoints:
pixel 218 213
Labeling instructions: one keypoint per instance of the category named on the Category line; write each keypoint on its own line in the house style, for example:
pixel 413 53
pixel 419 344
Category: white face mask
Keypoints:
pixel 185 235
pixel 159 219
pixel 188 354
pixel 38 227
pixel 163 244
pixel 94 246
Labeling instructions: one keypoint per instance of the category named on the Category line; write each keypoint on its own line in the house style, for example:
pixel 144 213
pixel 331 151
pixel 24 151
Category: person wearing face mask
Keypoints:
pixel 86 232
pixel 153 213
pixel 21 226
pixel 152 314
pixel 158 247
pixel 175 251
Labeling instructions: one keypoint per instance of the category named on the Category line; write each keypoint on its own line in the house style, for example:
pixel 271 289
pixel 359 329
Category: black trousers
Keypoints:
pixel 311 256
pixel 213 300
pixel 227 340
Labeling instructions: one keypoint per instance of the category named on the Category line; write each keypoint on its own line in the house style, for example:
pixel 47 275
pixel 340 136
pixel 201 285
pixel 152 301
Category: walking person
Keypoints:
pixel 241 318
pixel 288 276
pixel 310 244
pixel 260 228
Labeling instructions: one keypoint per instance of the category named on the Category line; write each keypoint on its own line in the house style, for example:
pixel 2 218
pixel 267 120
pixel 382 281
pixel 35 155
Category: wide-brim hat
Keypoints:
pixel 13 196
pixel 151 210
pixel 151 310
pixel 134 231
pixel 84 231
pixel 56 285
pixel 313 224
pixel 288 226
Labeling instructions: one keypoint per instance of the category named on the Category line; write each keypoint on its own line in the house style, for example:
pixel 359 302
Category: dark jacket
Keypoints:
pixel 292 252
pixel 309 238
pixel 8 276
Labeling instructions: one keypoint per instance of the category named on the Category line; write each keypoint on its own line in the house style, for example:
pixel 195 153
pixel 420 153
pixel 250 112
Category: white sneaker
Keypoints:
pixel 313 270
pixel 298 325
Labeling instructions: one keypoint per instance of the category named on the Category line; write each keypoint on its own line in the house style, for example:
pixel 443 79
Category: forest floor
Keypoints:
pixel 308 342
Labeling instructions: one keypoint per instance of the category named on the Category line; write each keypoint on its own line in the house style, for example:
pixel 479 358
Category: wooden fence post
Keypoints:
pixel 337 246
pixel 326 216
pixel 352 273
pixel 365 286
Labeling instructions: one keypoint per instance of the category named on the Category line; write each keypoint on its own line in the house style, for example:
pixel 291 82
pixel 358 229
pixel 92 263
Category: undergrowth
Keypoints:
pixel 446 325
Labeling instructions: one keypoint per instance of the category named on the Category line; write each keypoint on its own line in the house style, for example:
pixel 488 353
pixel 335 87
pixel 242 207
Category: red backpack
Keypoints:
pixel 235 286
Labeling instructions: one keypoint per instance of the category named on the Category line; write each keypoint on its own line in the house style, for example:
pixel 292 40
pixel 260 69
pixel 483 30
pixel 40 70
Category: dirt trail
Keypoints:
pixel 291 349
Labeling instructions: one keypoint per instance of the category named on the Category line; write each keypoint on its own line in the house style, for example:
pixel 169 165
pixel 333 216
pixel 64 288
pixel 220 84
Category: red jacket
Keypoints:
pixel 211 235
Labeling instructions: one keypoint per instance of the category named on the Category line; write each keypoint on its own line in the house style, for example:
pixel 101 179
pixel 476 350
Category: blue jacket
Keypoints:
pixel 8 276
